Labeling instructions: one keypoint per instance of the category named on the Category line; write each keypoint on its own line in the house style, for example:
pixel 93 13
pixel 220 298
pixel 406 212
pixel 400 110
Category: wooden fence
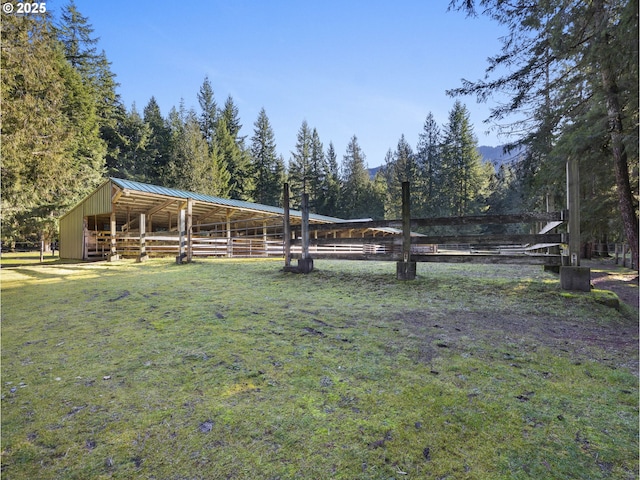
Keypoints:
pixel 533 248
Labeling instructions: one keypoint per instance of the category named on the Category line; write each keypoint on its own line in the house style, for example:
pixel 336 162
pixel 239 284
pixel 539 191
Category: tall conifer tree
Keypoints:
pixel 428 158
pixel 463 178
pixel 355 195
pixel 268 171
pixel 299 165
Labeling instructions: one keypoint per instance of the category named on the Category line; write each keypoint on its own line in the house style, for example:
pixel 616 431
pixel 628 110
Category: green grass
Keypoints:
pixel 234 369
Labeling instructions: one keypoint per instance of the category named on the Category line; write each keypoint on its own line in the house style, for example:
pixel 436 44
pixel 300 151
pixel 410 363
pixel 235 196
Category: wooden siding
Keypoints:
pixel 99 202
pixel 72 223
pixel 72 234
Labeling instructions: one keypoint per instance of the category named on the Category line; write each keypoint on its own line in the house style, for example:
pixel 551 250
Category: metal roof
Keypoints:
pixel 227 202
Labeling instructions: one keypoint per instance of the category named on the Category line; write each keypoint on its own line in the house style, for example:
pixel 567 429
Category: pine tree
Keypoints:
pixel 231 115
pixel 236 161
pixel 232 152
pixel 428 159
pixel 299 165
pixel 76 34
pixel 572 70
pixel 331 185
pixel 129 139
pixel 158 151
pixel 401 167
pixel 209 112
pixel 50 153
pixel 356 189
pixel 317 174
pixel 267 188
pixel 191 166
pixel 463 179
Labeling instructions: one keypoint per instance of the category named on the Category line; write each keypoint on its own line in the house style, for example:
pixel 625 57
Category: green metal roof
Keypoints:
pixel 227 202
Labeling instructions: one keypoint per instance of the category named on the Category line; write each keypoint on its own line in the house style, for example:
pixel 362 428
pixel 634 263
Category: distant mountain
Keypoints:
pixel 495 155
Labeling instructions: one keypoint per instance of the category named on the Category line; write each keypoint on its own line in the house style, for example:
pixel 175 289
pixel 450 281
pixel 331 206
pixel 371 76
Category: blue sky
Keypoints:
pixel 373 69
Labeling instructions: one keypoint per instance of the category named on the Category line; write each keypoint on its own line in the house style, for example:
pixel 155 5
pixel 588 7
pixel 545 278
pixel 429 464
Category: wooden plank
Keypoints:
pixel 550 260
pixel 444 221
pixel 444 239
pixel 550 226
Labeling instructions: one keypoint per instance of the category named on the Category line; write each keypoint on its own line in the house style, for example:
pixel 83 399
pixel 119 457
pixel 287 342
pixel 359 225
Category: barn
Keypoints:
pixel 123 218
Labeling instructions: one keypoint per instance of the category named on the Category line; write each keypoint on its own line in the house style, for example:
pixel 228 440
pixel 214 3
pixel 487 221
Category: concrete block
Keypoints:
pixel 576 279
pixel 305 265
pixel 406 270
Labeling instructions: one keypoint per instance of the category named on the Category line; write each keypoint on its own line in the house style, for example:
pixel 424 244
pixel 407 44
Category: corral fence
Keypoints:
pixel 542 248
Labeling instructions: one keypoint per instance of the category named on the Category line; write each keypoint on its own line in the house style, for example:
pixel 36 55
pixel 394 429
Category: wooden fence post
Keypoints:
pixel 406 269
pixel 574 277
pixel 305 264
pixel 573 205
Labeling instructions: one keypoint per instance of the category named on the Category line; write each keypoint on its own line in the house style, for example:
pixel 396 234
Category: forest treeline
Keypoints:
pixel 64 128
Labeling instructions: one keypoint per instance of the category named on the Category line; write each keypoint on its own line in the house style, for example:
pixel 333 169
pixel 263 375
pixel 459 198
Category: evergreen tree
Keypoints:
pixel 158 151
pixel 331 185
pixel 464 179
pixel 399 168
pixel 232 152
pixel 76 34
pixel 191 166
pixel 428 159
pixel 299 165
pixel 356 184
pixel 317 174
pixel 51 154
pixel 231 115
pixel 129 139
pixel 574 66
pixel 235 160
pixel 268 171
pixel 209 112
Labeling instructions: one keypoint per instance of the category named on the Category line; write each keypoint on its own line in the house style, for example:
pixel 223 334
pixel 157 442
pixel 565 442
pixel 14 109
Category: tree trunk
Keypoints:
pixel 620 165
pixel 621 168
pixel 616 131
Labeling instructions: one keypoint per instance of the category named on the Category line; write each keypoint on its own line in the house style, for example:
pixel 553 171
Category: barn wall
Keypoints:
pixel 72 234
pixel 99 202
pixel 72 224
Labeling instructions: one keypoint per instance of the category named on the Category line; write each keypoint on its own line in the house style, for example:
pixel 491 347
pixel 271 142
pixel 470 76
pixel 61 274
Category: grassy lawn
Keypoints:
pixel 225 369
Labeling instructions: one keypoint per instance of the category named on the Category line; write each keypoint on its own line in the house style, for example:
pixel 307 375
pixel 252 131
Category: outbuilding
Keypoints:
pixel 127 218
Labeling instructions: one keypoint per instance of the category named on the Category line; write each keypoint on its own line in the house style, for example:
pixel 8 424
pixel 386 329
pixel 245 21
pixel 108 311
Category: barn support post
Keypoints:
pixel 229 239
pixel 182 237
pixel 265 238
pixel 573 276
pixel 305 264
pixel 286 228
pixel 406 269
pixel 142 256
pixel 189 228
pixel 113 256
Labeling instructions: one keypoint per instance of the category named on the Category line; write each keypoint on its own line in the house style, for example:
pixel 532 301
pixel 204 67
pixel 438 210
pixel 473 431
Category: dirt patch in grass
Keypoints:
pixel 606 275
pixel 612 344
